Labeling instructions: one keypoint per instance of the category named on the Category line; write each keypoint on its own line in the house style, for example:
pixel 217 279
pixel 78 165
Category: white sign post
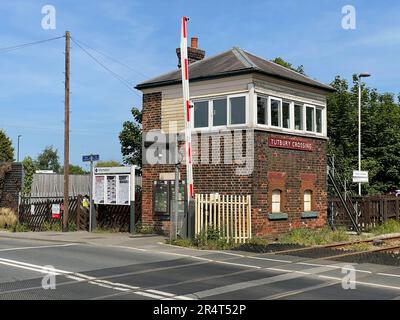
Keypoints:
pixel 360 177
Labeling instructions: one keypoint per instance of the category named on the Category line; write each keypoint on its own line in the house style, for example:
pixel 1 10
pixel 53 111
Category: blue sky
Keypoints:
pixel 144 35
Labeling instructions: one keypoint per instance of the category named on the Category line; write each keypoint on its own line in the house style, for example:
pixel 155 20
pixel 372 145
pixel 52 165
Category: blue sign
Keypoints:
pixel 92 157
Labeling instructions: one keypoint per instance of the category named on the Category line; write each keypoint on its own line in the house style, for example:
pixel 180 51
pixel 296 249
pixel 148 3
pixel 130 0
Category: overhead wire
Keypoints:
pixel 120 78
pixel 24 45
pixel 112 59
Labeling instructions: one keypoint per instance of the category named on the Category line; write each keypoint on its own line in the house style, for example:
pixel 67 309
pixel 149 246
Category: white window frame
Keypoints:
pixel 246 111
pixel 322 120
pixel 270 98
pixel 209 113
pixel 210 101
pixel 280 201
pixel 314 124
pixel 290 115
pixel 267 114
pixel 295 103
pixel 308 202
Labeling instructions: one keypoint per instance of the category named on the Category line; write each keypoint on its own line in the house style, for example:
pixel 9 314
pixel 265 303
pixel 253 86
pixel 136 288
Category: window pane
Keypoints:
pixel 298 117
pixel 275 113
pixel 262 107
pixel 201 114
pixel 276 201
pixel 286 114
pixel 310 119
pixel 307 200
pixel 161 198
pixel 319 120
pixel 238 110
pixel 219 112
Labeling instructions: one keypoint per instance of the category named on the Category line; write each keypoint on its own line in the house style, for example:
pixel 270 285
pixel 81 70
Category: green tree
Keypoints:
pixel 131 139
pixel 283 63
pixel 74 170
pixel 380 128
pixel 6 148
pixel 48 160
pixel 29 170
pixel 107 164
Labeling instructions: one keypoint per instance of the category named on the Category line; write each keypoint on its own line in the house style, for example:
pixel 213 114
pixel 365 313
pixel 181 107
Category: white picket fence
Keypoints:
pixel 229 214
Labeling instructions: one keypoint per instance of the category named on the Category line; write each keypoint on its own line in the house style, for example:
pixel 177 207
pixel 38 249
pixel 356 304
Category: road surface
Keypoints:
pixel 148 269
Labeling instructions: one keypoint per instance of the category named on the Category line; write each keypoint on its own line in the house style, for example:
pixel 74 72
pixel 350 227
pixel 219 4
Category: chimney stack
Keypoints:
pixel 194 42
pixel 194 53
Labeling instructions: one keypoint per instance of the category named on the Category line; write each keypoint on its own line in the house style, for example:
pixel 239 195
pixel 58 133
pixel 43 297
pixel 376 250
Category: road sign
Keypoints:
pixel 360 177
pixel 55 211
pixel 92 157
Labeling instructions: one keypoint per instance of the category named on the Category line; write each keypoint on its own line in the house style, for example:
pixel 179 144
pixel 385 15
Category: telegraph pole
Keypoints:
pixel 66 132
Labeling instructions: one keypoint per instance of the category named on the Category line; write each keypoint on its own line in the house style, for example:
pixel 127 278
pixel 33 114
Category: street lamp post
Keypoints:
pixel 360 76
pixel 19 137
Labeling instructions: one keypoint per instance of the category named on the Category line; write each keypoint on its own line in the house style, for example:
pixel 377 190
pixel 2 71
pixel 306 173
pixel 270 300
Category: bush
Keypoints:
pixel 106 230
pixel 48 226
pixel 390 226
pixel 8 218
pixel 21 227
pixel 139 228
pixel 210 240
pixel 72 227
pixel 312 237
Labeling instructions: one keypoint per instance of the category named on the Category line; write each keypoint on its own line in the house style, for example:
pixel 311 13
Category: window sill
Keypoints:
pixel 277 216
pixel 162 216
pixel 309 215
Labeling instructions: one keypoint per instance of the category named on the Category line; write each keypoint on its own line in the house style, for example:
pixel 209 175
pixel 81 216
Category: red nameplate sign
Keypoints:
pixel 290 143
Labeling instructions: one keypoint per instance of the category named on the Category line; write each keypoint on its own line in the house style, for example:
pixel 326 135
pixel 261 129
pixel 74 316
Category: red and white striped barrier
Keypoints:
pixel 187 106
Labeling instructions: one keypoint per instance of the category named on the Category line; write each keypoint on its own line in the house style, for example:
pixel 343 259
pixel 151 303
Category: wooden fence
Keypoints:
pixel 34 212
pixel 230 215
pixel 373 211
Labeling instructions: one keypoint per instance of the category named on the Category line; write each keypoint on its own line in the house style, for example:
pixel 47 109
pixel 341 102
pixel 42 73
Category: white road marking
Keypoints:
pixel 183 298
pixel 330 278
pixel 238 264
pixel 39 247
pixel 149 295
pixel 252 283
pixel 132 248
pixel 81 278
pixel 300 291
pixel 161 293
pixel 280 270
pixel 389 275
pixel 270 259
pixel 122 287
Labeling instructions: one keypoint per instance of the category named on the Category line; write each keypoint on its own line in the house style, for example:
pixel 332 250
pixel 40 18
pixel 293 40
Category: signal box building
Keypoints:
pixel 275 115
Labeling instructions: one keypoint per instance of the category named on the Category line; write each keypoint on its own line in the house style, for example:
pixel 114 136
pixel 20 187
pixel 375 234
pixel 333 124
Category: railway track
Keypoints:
pixel 344 250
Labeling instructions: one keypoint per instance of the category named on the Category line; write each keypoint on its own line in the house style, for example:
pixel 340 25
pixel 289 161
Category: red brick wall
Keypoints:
pixel 291 171
pixel 151 117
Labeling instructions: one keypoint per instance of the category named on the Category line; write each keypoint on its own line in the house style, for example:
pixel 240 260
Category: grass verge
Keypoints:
pixel 390 226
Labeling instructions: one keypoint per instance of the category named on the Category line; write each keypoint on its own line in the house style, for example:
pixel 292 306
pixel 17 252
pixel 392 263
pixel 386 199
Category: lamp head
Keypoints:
pixel 364 75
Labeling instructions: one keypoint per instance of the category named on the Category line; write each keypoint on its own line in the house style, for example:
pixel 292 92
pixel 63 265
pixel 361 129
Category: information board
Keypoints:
pixel 113 186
